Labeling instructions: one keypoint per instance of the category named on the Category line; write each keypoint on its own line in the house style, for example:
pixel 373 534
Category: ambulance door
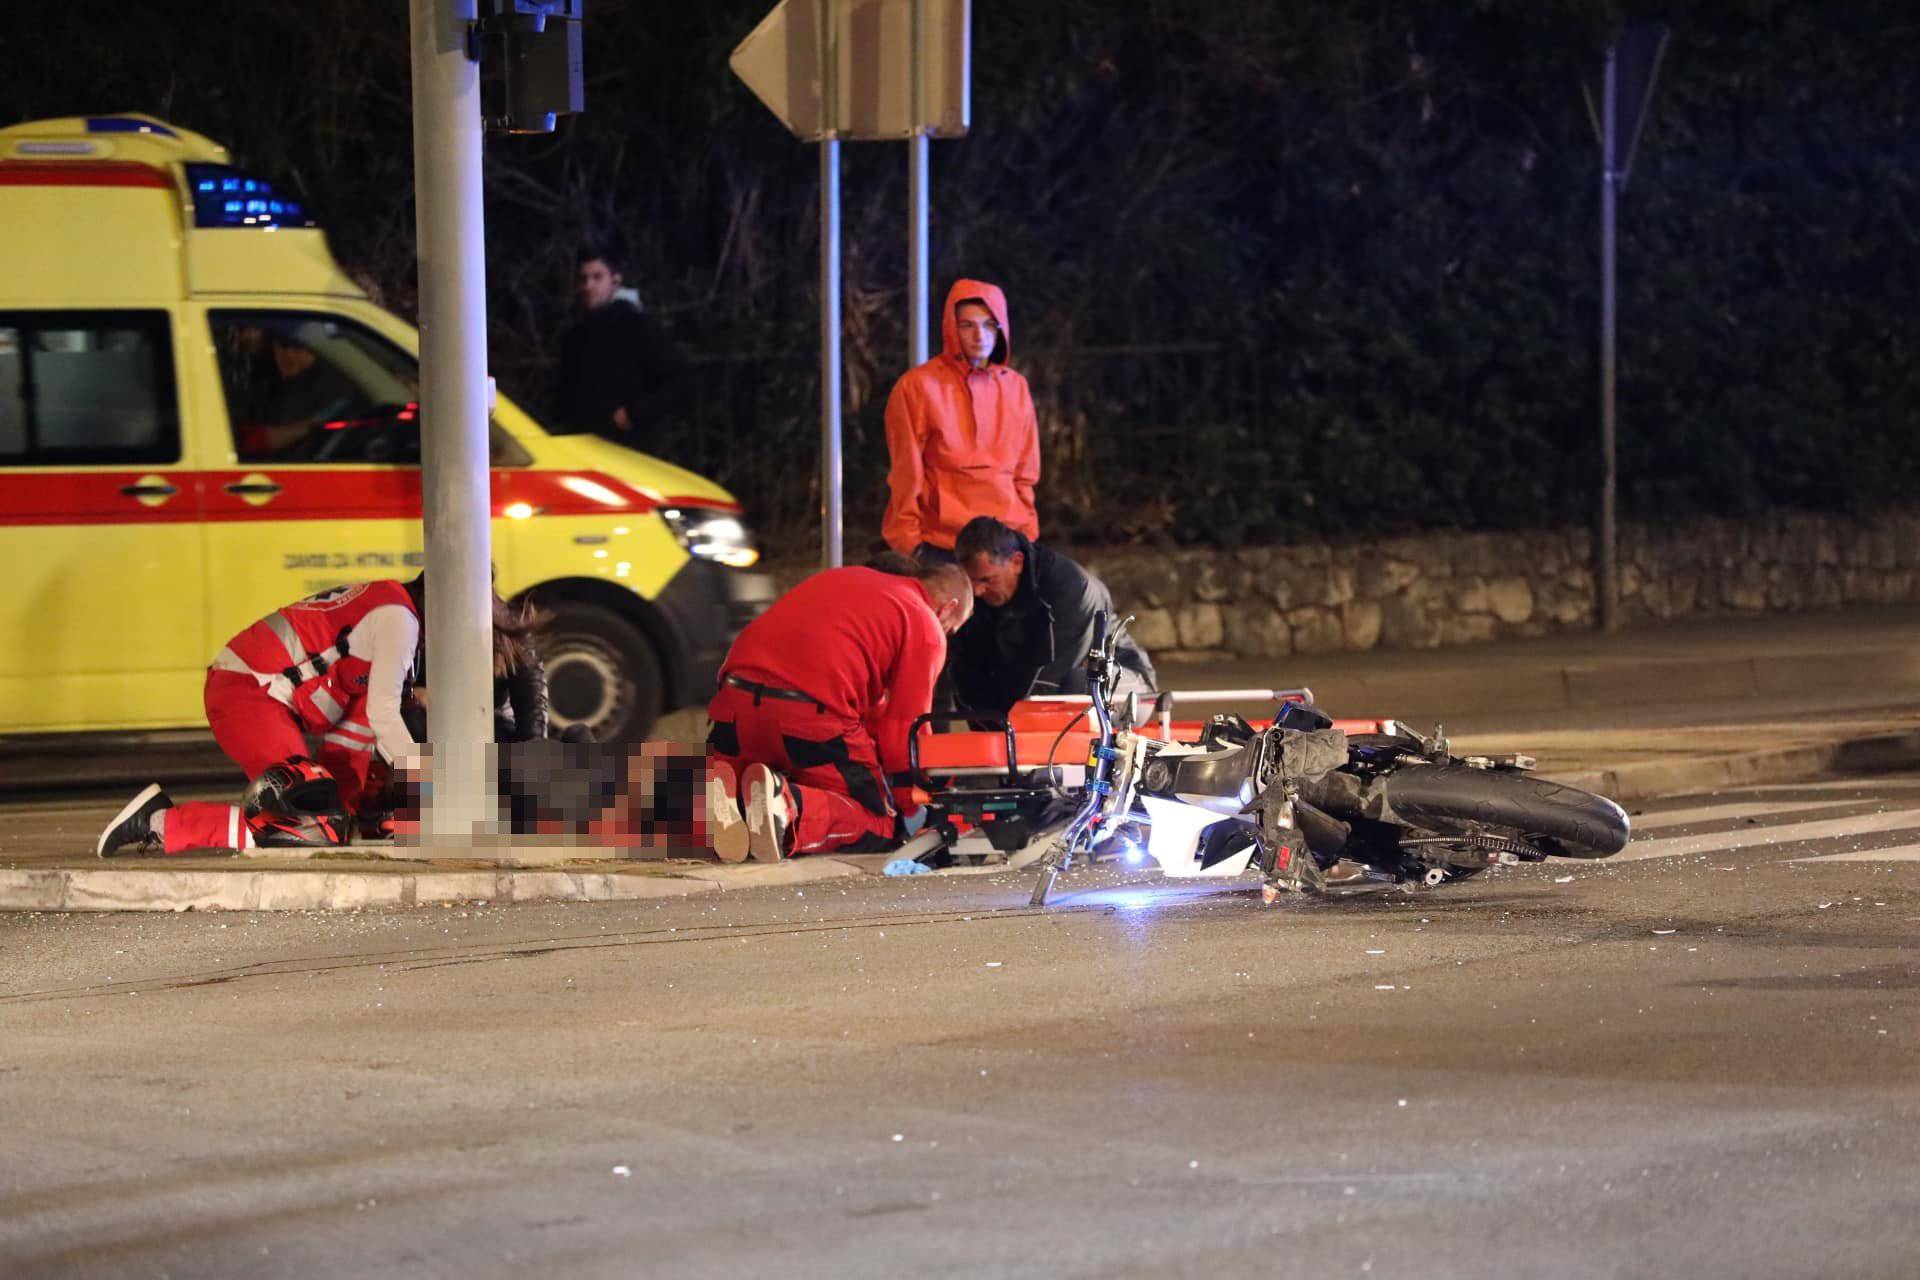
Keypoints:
pixel 322 485
pixel 102 617
pixel 318 487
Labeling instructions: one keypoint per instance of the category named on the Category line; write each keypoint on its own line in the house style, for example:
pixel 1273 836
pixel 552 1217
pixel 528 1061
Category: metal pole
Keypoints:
pixel 1609 189
pixel 917 175
pixel 830 520
pixel 453 418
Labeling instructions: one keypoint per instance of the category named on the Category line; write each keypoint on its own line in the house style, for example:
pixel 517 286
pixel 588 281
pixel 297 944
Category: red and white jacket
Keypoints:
pixel 339 661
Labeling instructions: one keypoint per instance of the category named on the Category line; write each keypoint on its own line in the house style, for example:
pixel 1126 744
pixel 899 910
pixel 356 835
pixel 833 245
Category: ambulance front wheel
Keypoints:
pixel 602 673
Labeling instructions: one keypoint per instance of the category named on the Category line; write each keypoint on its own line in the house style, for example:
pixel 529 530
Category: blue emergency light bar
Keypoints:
pixel 225 197
pixel 127 124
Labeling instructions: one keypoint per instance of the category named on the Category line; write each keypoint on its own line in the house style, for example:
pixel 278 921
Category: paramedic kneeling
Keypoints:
pixel 817 698
pixel 333 665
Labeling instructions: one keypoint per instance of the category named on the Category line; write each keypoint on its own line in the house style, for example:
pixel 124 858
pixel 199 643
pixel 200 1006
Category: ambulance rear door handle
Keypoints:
pixel 260 487
pixel 148 490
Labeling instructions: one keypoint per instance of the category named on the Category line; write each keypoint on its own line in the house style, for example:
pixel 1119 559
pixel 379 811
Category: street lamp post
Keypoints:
pixel 453 418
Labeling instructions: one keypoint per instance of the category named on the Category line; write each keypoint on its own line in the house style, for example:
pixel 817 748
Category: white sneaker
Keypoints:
pixel 769 812
pixel 726 825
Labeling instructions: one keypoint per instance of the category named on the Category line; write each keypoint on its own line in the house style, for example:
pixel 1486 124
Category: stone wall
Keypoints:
pixel 1445 589
pixel 1465 588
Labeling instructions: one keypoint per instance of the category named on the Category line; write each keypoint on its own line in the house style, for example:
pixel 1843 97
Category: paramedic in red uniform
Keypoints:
pixel 334 665
pixel 962 437
pixel 816 700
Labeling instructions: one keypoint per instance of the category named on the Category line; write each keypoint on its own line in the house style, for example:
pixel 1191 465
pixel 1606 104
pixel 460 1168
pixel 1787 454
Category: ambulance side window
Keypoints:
pixel 81 387
pixel 310 388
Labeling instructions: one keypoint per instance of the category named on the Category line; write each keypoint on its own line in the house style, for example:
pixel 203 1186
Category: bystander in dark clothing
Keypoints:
pixel 1032 624
pixel 621 376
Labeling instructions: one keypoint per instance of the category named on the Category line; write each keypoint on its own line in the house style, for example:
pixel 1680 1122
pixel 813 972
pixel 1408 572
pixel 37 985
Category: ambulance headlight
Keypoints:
pixel 718 536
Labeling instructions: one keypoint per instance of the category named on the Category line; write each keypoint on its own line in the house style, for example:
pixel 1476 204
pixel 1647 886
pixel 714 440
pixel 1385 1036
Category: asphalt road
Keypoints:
pixel 1697 1060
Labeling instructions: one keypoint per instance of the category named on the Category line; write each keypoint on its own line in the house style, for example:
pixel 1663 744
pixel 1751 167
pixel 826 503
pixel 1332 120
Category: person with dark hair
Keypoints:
pixel 1032 625
pixel 962 437
pixel 521 705
pixel 620 373
pixel 817 699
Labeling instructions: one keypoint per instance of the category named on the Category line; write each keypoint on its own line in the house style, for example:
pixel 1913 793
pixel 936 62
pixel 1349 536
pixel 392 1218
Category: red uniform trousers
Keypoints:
pixel 836 786
pixel 257 732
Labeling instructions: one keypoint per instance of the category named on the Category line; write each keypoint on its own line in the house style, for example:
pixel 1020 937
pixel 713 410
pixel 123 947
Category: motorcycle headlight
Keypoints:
pixel 719 536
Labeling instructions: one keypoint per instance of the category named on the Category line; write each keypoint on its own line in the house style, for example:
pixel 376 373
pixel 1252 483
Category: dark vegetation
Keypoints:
pixel 1274 269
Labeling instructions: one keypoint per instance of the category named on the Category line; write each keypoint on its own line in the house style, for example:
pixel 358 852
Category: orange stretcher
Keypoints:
pixel 1042 732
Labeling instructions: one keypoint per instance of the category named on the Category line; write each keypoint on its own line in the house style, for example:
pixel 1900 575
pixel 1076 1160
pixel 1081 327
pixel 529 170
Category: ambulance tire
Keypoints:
pixel 602 672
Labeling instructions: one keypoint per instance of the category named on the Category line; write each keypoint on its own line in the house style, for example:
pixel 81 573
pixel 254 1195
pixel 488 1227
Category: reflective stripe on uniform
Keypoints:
pixel 278 687
pixel 328 705
pixel 351 744
pixel 283 632
pixel 233 828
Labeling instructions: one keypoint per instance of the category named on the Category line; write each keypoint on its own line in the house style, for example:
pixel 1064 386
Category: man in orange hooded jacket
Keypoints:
pixel 961 432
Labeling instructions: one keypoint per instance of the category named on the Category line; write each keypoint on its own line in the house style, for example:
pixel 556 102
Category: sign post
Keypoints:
pixel 1632 66
pixel 917 176
pixel 831 70
pixel 831 482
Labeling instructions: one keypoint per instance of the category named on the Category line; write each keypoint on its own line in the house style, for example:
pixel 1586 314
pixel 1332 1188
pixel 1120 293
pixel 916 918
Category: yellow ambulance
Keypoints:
pixel 203 418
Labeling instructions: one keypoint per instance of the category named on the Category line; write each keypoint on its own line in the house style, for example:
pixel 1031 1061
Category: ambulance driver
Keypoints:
pixel 335 665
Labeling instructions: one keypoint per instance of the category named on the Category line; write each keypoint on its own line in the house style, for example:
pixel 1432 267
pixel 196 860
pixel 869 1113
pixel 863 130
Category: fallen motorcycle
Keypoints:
pixel 1222 797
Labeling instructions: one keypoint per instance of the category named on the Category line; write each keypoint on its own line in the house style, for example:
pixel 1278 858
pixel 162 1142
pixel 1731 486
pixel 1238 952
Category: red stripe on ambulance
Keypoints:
pixel 81 173
pixel 49 497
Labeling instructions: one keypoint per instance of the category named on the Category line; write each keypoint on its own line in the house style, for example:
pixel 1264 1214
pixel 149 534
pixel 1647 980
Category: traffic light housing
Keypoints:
pixel 539 70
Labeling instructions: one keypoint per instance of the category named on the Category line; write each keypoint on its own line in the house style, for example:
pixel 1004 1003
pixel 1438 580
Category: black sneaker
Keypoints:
pixel 131 830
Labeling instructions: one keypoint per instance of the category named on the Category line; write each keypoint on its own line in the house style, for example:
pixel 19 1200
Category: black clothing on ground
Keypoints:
pixel 524 691
pixel 1037 642
pixel 618 357
pixel 521 710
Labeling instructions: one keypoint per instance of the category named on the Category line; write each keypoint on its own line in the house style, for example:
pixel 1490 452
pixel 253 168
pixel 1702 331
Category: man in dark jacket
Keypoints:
pixel 620 372
pixel 1032 623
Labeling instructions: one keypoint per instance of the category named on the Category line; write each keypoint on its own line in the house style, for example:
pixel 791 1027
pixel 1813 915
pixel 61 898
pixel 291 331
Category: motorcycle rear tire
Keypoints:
pixel 1457 799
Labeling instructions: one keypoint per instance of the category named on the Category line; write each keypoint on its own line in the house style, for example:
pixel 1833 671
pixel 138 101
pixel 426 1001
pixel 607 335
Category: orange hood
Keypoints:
pixel 996 302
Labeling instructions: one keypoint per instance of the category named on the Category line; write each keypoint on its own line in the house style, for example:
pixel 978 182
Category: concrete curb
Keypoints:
pixel 111 888
pixel 1651 778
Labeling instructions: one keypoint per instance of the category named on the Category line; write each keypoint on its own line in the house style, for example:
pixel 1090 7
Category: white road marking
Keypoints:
pixel 89 809
pixel 1724 811
pixel 1896 853
pixel 1789 833
pixel 1871 785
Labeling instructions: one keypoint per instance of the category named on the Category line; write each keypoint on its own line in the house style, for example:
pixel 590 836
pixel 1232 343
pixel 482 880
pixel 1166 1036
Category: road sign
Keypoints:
pixel 861 70
pixel 872 71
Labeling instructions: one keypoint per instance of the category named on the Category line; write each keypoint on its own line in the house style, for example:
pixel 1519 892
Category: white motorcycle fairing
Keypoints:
pixel 1176 833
